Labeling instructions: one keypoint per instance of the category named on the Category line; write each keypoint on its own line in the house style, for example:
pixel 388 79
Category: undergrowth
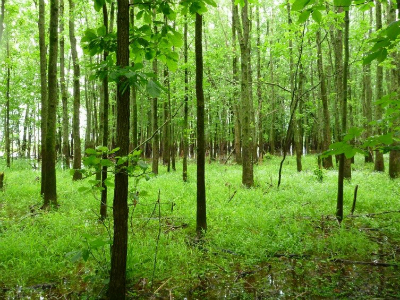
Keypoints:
pixel 250 232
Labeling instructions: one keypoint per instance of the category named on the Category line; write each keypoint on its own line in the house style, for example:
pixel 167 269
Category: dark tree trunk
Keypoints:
pixel 341 175
pixel 104 127
pixel 7 121
pixel 2 10
pixel 50 193
pixel 117 285
pixel 186 107
pixel 201 219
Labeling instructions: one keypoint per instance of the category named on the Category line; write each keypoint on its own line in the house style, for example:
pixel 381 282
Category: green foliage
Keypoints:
pixel 319 174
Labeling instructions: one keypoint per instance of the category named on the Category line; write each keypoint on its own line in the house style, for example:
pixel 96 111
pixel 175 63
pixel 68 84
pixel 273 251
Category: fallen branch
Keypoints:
pixel 375 214
pixel 161 286
pixel 369 263
pixel 354 200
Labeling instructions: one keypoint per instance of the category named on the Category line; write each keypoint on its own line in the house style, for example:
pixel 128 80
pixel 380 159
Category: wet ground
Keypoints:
pixel 281 278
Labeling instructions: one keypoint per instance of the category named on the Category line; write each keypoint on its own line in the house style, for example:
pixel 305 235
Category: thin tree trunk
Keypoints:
pixel 235 102
pixel 117 285
pixel 326 162
pixel 166 129
pixel 201 218
pixel 186 107
pixel 50 192
pixel 2 10
pixel 341 175
pixel 7 121
pixel 246 104
pixel 43 92
pixel 104 126
pixel 64 96
pixel 77 94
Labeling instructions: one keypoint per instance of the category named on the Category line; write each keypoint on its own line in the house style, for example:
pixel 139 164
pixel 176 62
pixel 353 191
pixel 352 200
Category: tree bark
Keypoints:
pixel 327 136
pixel 2 10
pixel 7 120
pixel 379 162
pixel 117 285
pixel 201 217
pixel 64 95
pixel 341 175
pixel 43 91
pixel 186 107
pixel 246 108
pixel 77 94
pixel 50 192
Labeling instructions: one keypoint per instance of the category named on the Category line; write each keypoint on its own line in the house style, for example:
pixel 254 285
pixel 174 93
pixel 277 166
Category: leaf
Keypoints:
pixel 349 152
pixel 386 139
pixel 299 4
pixel 90 151
pixel 101 31
pixel 342 3
pixel 393 30
pixel 98 4
pixel 142 164
pixel 317 16
pixel 83 189
pixel 153 89
pixel 304 16
pixel 370 57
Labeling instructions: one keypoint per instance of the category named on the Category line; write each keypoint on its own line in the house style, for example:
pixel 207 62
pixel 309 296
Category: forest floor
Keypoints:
pixel 261 243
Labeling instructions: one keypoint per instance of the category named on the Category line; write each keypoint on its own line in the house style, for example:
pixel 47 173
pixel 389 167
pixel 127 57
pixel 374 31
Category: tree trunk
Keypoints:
pixel 166 129
pixel 341 175
pixel 326 162
pixel 43 91
pixel 104 126
pixel 77 94
pixel 246 108
pixel 50 192
pixel 7 121
pixel 186 107
pixel 235 98
pixel 379 162
pixel 154 112
pixel 64 95
pixel 120 207
pixel 201 218
pixel 2 10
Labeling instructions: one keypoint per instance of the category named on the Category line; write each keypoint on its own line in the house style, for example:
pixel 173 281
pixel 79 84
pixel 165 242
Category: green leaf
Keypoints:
pixel 386 139
pixel 299 4
pixel 142 164
pixel 153 88
pixel 304 16
pixel 83 189
pixel 317 16
pixel 90 151
pixel 370 57
pixel 98 4
pixel 101 31
pixel 393 30
pixel 342 3
pixel 349 152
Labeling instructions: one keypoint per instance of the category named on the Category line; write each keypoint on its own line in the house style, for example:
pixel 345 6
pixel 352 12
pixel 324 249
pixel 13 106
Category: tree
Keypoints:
pixel 64 95
pixel 243 31
pixel 77 94
pixel 120 205
pixel 201 219
pixel 186 106
pixel 50 192
pixel 341 175
pixel 2 10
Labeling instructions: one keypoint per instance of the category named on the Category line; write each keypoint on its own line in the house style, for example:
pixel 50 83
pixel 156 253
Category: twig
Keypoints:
pixel 159 128
pixel 161 286
pixel 376 214
pixel 158 238
pixel 369 263
pixel 229 156
pixel 353 208
pixel 233 195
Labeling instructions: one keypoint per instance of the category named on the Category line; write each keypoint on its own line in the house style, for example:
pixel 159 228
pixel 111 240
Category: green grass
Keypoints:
pixel 257 232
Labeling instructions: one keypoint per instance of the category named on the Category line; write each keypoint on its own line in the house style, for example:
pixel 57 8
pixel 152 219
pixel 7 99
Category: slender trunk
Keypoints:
pixel 186 107
pixel 117 285
pixel 134 112
pixel 7 121
pixel 77 94
pixel 235 102
pixel 25 133
pixel 104 126
pixel 341 175
pixel 379 162
pixel 2 10
pixel 326 162
pixel 201 219
pixel 166 129
pixel 43 92
pixel 64 96
pixel 50 193
pixel 259 90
